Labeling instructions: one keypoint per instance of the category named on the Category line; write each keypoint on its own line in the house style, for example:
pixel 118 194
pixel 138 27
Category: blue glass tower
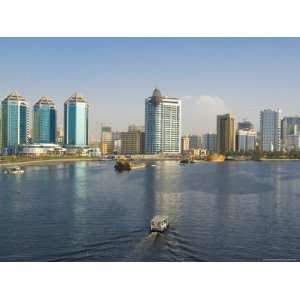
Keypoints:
pixel 15 122
pixel 76 121
pixel 44 121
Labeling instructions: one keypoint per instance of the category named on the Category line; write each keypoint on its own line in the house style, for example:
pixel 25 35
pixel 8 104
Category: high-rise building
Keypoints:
pixel 131 142
pixel 76 121
pixel 226 128
pixel 270 130
pixel 245 140
pixel 209 142
pixel 106 140
pixel 185 144
pixel 44 121
pixel 245 125
pixel 60 135
pixel 0 129
pixel 290 131
pixel 134 127
pixel 15 122
pixel 116 142
pixel 195 141
pixel 162 124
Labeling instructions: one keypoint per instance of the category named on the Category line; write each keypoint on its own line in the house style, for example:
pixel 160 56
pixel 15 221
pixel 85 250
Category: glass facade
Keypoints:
pixel 195 141
pixel 246 140
pixel 44 121
pixel 162 124
pixel 290 131
pixel 76 121
pixel 15 122
pixel 209 142
pixel 270 130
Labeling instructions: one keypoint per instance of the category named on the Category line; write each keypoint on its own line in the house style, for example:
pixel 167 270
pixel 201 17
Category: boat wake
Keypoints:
pixel 144 246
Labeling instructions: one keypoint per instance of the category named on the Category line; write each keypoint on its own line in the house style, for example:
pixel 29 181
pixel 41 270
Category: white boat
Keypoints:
pixel 14 171
pixel 159 224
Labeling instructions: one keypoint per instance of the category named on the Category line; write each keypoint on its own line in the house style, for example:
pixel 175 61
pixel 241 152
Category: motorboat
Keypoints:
pixel 14 171
pixel 159 223
pixel 184 161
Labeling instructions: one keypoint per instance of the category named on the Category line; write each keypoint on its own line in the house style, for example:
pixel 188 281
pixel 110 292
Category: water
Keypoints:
pixel 85 211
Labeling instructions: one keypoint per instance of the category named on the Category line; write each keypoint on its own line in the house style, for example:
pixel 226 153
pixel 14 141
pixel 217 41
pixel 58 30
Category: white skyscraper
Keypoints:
pixel 270 130
pixel 162 124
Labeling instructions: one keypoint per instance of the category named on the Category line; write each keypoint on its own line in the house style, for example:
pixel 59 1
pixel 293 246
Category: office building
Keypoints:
pixel 116 142
pixel 246 140
pixel 185 144
pixel 60 135
pixel 226 128
pixel 15 122
pixel 290 131
pixel 195 141
pixel 209 142
pixel 134 127
pixel 0 130
pixel 38 150
pixel 162 124
pixel 44 121
pixel 270 130
pixel 106 140
pixel 76 111
pixel 132 142
pixel 245 125
pixel 293 142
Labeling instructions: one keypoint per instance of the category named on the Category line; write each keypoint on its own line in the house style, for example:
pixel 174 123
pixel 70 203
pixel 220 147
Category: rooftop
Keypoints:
pixel 15 96
pixel 45 101
pixel 158 218
pixel 76 97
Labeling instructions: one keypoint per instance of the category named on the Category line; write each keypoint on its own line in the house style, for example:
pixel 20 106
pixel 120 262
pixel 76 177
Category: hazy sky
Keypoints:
pixel 115 75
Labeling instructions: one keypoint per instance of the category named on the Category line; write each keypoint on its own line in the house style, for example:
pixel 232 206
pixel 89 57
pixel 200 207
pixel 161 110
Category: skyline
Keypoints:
pixel 210 75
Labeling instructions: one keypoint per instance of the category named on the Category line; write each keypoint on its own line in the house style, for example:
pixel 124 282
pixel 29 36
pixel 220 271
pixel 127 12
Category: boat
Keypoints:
pixel 159 223
pixel 184 161
pixel 128 165
pixel 14 171
pixel 194 161
pixel 216 158
pixel 230 158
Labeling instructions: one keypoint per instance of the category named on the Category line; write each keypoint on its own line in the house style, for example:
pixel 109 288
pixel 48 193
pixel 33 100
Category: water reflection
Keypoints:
pixel 87 211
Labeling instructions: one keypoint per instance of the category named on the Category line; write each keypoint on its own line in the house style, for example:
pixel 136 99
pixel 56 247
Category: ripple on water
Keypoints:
pixel 232 184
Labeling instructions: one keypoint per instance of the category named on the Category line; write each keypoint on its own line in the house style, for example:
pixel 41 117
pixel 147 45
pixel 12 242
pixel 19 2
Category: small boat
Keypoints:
pixel 194 161
pixel 159 224
pixel 184 161
pixel 230 158
pixel 14 171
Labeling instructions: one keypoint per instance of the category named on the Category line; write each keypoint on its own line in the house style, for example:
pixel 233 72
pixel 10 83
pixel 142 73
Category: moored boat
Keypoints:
pixel 185 161
pixel 14 171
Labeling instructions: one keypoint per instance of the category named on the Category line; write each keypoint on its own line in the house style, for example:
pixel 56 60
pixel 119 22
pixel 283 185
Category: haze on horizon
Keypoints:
pixel 115 75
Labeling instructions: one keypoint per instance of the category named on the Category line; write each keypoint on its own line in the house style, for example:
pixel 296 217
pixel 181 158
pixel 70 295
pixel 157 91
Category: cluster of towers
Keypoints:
pixel 15 122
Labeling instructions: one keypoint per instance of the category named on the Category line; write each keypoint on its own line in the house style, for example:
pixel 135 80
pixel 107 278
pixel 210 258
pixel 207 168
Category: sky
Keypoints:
pixel 115 75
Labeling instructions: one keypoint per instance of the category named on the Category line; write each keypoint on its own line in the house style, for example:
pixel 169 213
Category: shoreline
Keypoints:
pixel 45 161
pixel 72 160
